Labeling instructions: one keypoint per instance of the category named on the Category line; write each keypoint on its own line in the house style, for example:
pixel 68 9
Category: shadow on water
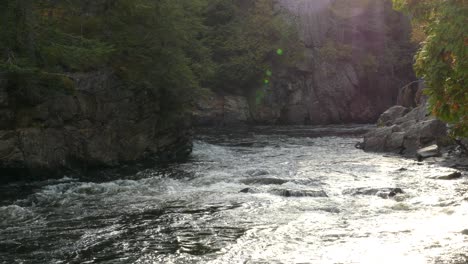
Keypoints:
pixel 121 237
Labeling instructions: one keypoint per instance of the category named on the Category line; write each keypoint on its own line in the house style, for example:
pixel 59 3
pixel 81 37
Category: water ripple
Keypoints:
pixel 284 196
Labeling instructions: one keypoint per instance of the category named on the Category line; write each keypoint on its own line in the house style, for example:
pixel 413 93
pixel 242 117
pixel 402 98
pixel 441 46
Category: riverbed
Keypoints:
pixel 267 195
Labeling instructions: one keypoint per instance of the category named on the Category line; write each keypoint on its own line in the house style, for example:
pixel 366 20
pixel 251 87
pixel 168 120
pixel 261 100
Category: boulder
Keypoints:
pixel 451 176
pixel 389 117
pixel 431 130
pixel 376 139
pixel 427 152
pixel 395 142
pixel 417 114
pixel 257 172
pixel 381 192
pixel 264 181
pixel 405 131
pixel 249 190
pixel 298 193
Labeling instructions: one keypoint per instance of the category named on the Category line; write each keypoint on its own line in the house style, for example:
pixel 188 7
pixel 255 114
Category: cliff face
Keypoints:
pixel 357 56
pixel 351 71
pixel 97 123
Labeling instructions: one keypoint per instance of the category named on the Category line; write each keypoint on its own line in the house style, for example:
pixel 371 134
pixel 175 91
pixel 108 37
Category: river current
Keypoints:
pixel 261 196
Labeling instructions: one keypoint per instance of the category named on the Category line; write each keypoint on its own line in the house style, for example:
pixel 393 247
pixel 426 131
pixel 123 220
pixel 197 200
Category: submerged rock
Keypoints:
pixel 381 192
pixel 257 172
pixel 394 192
pixel 298 193
pixel 451 176
pixel 249 190
pixel 264 181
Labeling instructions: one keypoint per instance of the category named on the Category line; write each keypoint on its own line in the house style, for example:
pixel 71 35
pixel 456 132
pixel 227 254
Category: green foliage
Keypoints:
pixel 442 60
pixel 73 53
pixel 20 38
pixel 246 39
pixel 171 47
pixel 158 47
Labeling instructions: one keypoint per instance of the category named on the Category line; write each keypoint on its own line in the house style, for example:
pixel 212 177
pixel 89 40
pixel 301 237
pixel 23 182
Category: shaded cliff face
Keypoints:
pixel 357 56
pixel 97 123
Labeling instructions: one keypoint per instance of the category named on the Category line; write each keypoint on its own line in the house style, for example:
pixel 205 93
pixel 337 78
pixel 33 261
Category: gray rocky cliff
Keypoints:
pixel 357 54
pixel 349 72
pixel 97 123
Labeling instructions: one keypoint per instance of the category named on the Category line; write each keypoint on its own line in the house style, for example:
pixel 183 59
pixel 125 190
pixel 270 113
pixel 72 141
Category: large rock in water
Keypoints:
pixel 408 132
pixel 97 123
pixel 427 152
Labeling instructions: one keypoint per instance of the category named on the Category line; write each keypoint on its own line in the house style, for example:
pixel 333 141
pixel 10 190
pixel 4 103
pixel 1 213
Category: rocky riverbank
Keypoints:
pixel 414 132
pixel 97 123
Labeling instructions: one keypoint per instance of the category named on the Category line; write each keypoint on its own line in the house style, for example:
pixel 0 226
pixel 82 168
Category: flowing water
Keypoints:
pixel 285 196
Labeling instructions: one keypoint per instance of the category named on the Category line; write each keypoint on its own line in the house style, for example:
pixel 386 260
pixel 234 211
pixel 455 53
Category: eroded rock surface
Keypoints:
pixel 346 74
pixel 97 123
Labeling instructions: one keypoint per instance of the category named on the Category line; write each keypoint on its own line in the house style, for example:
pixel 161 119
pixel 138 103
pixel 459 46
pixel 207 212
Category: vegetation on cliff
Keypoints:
pixel 248 39
pixel 442 60
pixel 170 46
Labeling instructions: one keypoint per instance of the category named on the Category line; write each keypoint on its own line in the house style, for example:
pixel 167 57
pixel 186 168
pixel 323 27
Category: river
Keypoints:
pixel 261 196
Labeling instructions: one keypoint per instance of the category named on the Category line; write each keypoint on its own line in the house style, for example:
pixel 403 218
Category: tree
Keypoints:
pixel 169 47
pixel 442 60
pixel 244 38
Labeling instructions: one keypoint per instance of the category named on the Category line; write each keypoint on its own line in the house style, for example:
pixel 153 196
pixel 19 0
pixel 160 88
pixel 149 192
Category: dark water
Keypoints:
pixel 305 199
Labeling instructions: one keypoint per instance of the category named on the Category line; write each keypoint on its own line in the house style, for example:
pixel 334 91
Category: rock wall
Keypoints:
pixel 222 110
pixel 357 55
pixel 96 123
pixel 349 72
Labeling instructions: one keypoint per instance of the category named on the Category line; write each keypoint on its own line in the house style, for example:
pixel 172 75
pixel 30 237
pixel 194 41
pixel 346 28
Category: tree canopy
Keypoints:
pixel 442 60
pixel 171 46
